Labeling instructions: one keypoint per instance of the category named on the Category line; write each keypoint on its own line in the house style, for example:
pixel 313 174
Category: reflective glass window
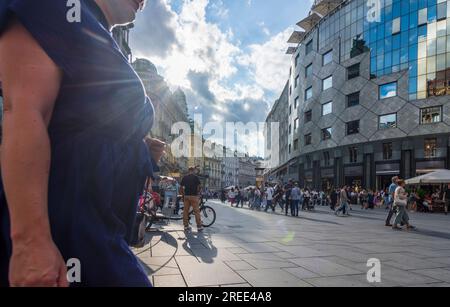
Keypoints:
pixel 395 25
pixel 423 17
pixel 328 57
pixel 327 108
pixel 327 83
pixel 353 100
pixel 326 134
pixel 308 93
pixel 431 115
pixel 388 90
pixel 353 127
pixel 387 121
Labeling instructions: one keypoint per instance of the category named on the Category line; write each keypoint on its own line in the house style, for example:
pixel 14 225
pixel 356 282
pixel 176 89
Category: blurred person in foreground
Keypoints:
pixel 76 121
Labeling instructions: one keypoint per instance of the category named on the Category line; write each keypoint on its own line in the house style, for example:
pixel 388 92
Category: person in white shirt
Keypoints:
pixel 401 201
pixel 269 198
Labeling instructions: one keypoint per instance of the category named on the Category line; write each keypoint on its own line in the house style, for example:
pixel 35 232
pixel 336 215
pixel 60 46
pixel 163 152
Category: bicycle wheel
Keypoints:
pixel 208 215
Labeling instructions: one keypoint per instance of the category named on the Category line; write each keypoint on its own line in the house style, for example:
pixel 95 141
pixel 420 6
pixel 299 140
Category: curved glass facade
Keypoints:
pixel 401 34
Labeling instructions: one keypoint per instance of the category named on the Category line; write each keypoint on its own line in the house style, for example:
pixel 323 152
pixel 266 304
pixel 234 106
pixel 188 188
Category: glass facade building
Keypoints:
pixel 370 101
pixel 411 35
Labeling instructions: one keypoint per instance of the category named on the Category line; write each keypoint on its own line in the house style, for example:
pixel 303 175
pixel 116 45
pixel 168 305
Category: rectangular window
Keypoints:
pixel 290 129
pixel 353 127
pixel 327 108
pixel 430 148
pixel 309 47
pixel 387 151
pixel 423 16
pixel 326 134
pixel 327 83
pixel 353 154
pixel 290 110
pixel 308 71
pixel 326 158
pixel 387 121
pixel 327 57
pixel 353 100
pixel 308 139
pixel 353 71
pixel 308 116
pixel 290 148
pixel 396 25
pixel 296 81
pixel 388 90
pixel 431 115
pixel 297 60
pixel 441 10
pixel 308 93
pixel 296 103
pixel 296 144
pixel 296 122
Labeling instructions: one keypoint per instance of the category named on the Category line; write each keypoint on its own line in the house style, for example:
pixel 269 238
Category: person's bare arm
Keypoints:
pixel 31 84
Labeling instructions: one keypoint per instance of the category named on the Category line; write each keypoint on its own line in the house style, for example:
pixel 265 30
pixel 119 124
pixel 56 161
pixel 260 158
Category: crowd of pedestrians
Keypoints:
pixel 290 199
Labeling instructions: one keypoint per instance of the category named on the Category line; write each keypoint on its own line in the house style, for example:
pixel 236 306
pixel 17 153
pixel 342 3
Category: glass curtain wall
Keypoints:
pixel 403 34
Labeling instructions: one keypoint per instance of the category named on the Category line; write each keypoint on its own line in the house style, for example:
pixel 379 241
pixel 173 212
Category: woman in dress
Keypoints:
pixel 76 120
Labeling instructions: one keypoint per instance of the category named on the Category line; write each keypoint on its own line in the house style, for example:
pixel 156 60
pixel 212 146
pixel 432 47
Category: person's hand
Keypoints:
pixel 156 147
pixel 37 263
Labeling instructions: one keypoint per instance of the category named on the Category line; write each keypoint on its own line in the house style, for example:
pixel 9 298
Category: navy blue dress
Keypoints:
pixel 99 159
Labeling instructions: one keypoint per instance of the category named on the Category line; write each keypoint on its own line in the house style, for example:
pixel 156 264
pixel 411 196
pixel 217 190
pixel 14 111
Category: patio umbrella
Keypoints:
pixel 436 177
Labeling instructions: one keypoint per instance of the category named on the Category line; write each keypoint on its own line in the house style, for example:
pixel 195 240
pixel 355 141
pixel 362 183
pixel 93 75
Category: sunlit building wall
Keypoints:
pixel 369 91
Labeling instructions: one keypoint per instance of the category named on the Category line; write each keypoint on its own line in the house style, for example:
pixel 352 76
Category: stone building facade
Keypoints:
pixel 369 98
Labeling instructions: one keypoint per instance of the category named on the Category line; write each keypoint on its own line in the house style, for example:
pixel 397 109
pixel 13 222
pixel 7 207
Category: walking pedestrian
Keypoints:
pixel 447 199
pixel 269 198
pixel 334 196
pixel 238 197
pixel 295 200
pixel 344 200
pixel 287 194
pixel 400 202
pixel 278 197
pixel 306 200
pixel 391 192
pixel 190 189
pixel 232 197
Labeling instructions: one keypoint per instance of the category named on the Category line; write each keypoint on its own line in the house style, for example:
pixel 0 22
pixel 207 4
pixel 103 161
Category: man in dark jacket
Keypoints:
pixel 287 192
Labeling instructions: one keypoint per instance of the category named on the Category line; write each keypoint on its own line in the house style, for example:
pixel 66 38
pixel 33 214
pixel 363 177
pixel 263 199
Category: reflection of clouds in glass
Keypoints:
pixel 388 90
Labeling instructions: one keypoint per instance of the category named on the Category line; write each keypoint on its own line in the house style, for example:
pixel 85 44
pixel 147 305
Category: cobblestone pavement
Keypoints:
pixel 251 249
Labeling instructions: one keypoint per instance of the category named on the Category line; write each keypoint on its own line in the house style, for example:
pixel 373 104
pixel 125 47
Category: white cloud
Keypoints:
pixel 203 59
pixel 268 63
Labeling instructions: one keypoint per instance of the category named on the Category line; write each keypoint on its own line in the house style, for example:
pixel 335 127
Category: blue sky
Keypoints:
pixel 226 55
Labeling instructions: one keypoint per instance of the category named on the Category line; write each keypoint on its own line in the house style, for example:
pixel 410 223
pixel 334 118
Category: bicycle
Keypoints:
pixel 152 213
pixel 208 214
